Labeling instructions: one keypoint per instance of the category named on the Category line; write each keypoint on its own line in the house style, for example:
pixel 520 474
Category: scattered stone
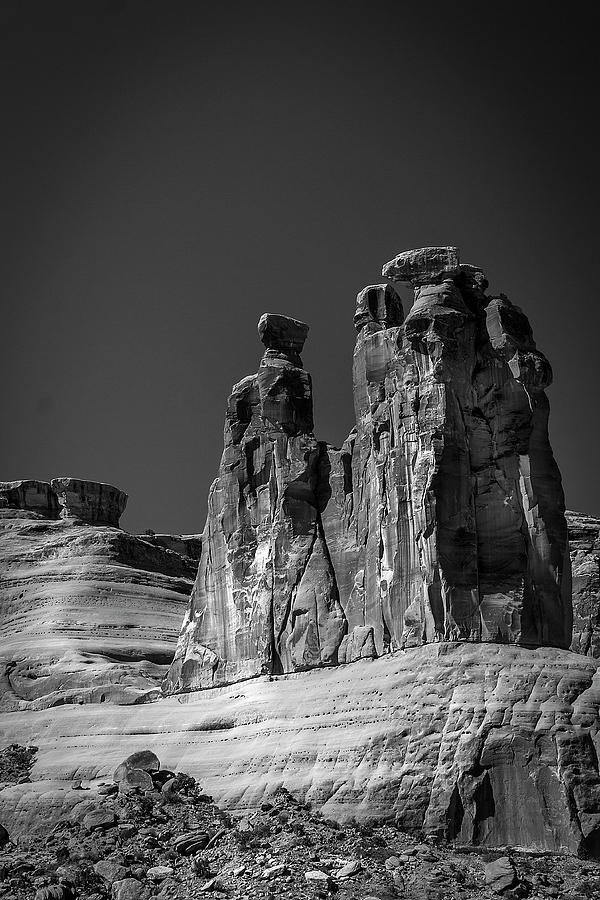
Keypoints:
pixel 55 892
pixel 159 873
pixel 99 819
pixel 135 780
pixel 500 874
pixel 110 870
pixel 351 868
pixel 145 760
pixel 129 889
pixel 191 842
pixel 275 871
pixel 316 875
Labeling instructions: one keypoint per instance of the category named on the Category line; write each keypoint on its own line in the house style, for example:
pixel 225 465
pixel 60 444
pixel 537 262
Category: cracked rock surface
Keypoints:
pixel 88 613
pixel 440 519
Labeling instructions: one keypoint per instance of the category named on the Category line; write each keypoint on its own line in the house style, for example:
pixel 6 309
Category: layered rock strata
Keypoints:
pixel 88 613
pixel 89 501
pixel 475 743
pixel 440 519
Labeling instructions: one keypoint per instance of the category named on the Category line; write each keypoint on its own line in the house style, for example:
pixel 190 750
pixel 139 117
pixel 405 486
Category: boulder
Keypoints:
pixel 500 874
pixel 145 760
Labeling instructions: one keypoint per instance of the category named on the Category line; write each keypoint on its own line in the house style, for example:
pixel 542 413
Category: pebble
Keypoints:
pixel 128 889
pixel 351 868
pixel 316 875
pixel 159 873
pixel 275 871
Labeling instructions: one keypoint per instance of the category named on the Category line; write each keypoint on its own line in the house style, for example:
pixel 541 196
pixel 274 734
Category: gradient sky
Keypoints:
pixel 172 170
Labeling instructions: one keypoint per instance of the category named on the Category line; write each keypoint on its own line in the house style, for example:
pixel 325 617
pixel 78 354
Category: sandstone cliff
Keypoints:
pixel 88 613
pixel 584 537
pixel 475 743
pixel 440 519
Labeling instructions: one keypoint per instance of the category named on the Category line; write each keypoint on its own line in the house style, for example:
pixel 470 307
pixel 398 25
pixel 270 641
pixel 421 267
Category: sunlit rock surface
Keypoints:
pixel 430 551
pixel 88 613
pixel 584 537
pixel 483 743
pixel 441 518
pixel 266 597
pixel 459 520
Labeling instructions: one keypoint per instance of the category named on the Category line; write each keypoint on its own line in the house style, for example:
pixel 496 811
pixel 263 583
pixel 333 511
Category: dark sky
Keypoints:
pixel 172 170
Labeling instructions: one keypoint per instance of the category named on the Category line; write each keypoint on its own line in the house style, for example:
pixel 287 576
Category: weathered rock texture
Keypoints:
pixel 584 536
pixel 90 501
pixel 457 498
pixel 440 519
pixel 266 598
pixel 88 613
pixel 484 743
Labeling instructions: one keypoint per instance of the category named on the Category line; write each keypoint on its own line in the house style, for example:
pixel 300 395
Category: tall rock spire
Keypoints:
pixel 460 505
pixel 266 598
pixel 440 519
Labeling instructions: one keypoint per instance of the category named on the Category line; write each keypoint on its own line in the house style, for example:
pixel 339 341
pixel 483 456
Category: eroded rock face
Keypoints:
pixel 440 519
pixel 88 613
pixel 37 496
pixel 584 536
pixel 266 597
pixel 457 497
pixel 475 743
pixel 90 501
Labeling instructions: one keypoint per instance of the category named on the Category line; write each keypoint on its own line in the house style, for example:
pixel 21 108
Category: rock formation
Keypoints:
pixel 430 550
pixel 90 501
pixel 584 537
pixel 88 613
pixel 441 518
pixel 457 496
pixel 475 743
pixel 265 598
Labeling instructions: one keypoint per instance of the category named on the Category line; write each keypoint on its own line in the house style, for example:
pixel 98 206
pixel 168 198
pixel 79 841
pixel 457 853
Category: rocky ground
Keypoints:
pixel 151 833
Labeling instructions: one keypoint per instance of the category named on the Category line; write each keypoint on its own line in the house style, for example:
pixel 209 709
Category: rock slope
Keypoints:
pixel 440 519
pixel 474 743
pixel 172 841
pixel 88 613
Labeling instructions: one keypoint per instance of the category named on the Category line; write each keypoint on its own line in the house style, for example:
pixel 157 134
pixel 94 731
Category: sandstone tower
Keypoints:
pixel 440 519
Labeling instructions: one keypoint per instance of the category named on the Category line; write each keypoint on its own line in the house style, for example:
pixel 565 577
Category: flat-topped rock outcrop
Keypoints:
pixel 89 501
pixel 88 613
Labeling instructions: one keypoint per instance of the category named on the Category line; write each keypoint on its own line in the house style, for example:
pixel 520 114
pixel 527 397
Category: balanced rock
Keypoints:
pixel 425 266
pixel 265 598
